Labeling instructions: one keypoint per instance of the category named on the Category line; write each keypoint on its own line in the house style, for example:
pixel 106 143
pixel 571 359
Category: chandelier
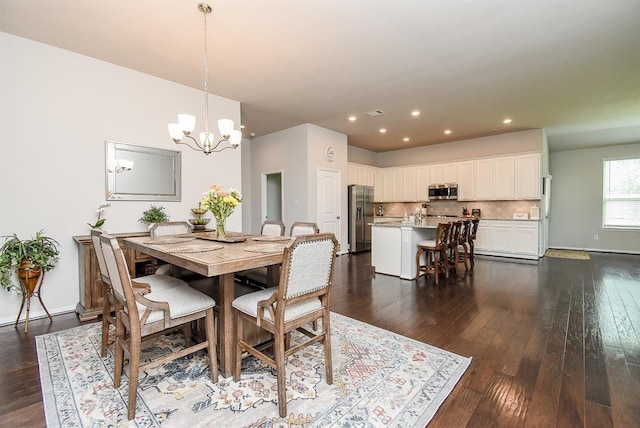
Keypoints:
pixel 186 122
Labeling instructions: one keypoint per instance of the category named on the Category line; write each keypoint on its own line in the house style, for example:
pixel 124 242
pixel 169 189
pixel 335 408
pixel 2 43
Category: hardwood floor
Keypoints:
pixel 554 344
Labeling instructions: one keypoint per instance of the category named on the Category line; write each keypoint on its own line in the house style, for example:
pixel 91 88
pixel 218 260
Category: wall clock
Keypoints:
pixel 329 153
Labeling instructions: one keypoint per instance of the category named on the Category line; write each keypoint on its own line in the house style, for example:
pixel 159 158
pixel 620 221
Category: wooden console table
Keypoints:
pixel 90 305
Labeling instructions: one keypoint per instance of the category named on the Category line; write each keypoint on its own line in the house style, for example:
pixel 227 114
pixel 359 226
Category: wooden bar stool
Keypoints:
pixel 464 248
pixel 472 237
pixel 435 253
pixel 452 246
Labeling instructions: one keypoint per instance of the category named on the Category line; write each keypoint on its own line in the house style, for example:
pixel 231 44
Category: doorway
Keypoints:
pixel 272 196
pixel 329 206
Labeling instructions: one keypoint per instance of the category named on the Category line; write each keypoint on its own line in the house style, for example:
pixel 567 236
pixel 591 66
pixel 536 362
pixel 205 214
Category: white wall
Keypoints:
pixel 298 152
pixel 576 201
pixel 57 108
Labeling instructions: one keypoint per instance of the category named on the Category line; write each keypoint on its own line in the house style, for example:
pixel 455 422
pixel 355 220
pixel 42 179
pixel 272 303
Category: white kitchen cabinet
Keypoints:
pixel 352 174
pixel 525 237
pixel 517 238
pixel 363 175
pixel 444 173
pixel 484 179
pixel 466 182
pixel 409 184
pixel 386 250
pixel 483 237
pixel 527 176
pixel 397 192
pixel 422 182
pixel 504 178
pixel 501 236
pixel 378 185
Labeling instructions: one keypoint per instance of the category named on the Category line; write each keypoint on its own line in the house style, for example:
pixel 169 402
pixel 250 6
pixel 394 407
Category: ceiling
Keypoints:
pixel 572 68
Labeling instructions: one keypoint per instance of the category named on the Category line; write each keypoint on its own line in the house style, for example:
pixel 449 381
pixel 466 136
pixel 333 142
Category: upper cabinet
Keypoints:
pixel 444 173
pixel 527 176
pixel 504 178
pixel 466 181
pixel 501 178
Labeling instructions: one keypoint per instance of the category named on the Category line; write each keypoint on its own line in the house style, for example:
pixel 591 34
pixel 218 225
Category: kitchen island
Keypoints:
pixel 394 245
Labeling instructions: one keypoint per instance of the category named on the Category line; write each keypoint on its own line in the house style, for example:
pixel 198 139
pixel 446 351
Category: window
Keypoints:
pixel 621 194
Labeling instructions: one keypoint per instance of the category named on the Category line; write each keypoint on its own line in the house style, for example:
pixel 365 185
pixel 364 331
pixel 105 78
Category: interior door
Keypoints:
pixel 329 208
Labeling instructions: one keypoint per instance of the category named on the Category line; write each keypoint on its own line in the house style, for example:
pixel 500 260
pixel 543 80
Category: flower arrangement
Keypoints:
pixel 98 224
pixel 221 204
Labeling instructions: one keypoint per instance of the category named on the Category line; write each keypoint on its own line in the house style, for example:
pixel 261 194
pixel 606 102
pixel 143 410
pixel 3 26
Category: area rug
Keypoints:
pixel 567 254
pixel 381 379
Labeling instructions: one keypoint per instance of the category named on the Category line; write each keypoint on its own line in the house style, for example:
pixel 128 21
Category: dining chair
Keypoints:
pixel 147 283
pixel 259 277
pixel 272 228
pixel 167 228
pixel 303 228
pixel 141 315
pixel 435 251
pixel 303 296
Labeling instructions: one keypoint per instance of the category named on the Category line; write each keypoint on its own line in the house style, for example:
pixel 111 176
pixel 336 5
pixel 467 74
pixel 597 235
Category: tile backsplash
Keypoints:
pixel 488 209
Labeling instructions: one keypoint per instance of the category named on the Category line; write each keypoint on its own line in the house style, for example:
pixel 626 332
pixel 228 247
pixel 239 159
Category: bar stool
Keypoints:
pixel 472 237
pixel 435 252
pixel 452 246
pixel 464 247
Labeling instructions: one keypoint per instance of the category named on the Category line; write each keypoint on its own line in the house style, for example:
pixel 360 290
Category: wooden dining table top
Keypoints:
pixel 216 258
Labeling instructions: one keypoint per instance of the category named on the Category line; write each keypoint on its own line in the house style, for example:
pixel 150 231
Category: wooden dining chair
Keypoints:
pixel 167 228
pixel 303 228
pixel 109 304
pixel 435 251
pixel 272 228
pixel 259 277
pixel 303 296
pixel 157 312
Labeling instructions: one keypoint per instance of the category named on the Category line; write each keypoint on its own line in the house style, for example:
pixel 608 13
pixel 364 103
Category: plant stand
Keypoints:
pixel 29 289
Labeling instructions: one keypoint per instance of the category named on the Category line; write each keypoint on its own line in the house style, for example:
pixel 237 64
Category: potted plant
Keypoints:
pixel 30 257
pixel 153 215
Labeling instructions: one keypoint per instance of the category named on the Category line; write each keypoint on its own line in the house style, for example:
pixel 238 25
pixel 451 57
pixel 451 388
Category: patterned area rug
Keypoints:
pixel 381 379
pixel 567 254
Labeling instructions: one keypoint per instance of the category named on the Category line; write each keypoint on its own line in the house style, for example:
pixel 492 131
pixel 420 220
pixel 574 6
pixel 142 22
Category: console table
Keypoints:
pixel 90 305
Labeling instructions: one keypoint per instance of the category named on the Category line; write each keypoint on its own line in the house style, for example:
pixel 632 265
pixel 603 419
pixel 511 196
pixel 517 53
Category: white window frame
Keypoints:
pixel 606 197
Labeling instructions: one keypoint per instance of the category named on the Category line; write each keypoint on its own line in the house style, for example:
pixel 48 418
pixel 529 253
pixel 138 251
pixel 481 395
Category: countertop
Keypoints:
pixel 432 221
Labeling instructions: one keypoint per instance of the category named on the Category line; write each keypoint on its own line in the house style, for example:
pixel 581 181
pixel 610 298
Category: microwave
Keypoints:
pixel 443 191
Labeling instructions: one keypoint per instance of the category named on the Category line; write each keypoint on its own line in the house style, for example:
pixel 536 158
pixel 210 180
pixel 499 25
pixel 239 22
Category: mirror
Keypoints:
pixel 136 173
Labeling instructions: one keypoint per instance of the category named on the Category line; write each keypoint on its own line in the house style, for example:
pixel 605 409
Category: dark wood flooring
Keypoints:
pixel 554 343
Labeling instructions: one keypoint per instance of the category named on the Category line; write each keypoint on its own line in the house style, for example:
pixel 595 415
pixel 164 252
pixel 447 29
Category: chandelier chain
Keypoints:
pixel 206 78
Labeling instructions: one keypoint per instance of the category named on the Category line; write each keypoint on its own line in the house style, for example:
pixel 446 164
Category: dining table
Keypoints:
pixel 204 254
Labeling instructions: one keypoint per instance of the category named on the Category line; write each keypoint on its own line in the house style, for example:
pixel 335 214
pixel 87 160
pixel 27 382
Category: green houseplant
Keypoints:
pixel 153 215
pixel 30 257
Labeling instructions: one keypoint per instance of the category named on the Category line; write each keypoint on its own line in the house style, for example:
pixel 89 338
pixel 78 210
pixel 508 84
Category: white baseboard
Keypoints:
pixel 595 250
pixel 34 315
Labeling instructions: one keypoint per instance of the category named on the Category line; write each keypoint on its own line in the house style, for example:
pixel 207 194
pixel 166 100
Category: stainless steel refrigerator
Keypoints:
pixel 360 217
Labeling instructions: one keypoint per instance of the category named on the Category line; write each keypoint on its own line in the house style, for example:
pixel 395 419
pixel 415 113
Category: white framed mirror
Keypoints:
pixel 137 173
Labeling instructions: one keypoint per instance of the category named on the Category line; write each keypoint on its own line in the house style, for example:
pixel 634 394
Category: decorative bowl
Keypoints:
pixel 199 223
pixel 198 211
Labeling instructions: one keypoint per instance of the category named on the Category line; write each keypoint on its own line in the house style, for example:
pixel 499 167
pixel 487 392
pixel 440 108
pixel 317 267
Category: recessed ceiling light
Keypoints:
pixel 383 130
pixel 507 121
pixel 241 126
pixel 352 118
pixel 447 131
pixel 405 139
pixel 415 113
pixel 253 134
